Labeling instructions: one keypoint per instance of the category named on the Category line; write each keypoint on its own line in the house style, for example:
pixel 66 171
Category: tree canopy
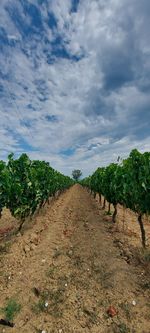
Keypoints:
pixel 76 174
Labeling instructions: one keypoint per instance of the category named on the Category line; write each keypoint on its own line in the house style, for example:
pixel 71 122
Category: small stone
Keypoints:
pixel 26 249
pixel 128 253
pixel 32 247
pixel 46 304
pixel 21 323
pixel 133 303
pixel 19 234
pixel 112 311
pixel 43 260
pixel 78 296
pixel 34 238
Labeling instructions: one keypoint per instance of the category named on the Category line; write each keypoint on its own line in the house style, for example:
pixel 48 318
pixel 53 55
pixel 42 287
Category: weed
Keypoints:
pixel 62 280
pixel 147 256
pixel 103 302
pixel 92 315
pixel 78 261
pixel 120 328
pixel 11 309
pixel 70 253
pixel 4 248
pixel 50 272
pixel 72 275
pixel 102 276
pixel 126 308
pixel 54 298
pixel 123 328
pixel 39 307
pixel 145 285
pixel 57 296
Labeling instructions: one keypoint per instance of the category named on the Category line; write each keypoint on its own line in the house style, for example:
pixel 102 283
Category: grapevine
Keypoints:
pixel 26 185
pixel 127 184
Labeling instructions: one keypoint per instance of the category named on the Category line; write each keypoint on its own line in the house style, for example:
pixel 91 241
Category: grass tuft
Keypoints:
pixel 11 309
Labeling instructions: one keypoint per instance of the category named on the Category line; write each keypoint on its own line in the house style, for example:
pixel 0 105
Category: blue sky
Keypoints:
pixel 74 80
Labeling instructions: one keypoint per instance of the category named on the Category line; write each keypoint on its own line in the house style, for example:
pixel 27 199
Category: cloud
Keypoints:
pixel 74 80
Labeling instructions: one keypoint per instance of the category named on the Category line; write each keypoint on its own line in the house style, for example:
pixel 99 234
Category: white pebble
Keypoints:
pixel 133 303
pixel 46 304
pixel 66 284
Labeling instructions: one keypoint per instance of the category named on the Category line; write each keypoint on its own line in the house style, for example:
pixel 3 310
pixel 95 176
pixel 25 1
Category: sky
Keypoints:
pixel 74 80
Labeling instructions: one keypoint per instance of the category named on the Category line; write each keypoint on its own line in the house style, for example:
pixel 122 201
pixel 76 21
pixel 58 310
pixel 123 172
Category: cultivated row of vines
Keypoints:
pixel 126 183
pixel 26 185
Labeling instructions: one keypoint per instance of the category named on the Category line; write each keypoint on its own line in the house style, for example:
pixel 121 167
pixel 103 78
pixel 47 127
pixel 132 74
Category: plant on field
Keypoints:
pixel 4 181
pixel 11 309
pixel 26 185
pixel 127 184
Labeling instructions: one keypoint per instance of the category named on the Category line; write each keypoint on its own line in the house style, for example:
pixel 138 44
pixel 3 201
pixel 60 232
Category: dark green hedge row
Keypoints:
pixel 26 185
pixel 126 183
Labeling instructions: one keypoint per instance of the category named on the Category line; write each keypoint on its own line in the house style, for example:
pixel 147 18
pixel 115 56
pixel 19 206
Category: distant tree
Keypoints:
pixel 76 174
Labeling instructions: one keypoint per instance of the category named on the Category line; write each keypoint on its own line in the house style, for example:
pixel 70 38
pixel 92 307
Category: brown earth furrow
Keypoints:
pixel 66 272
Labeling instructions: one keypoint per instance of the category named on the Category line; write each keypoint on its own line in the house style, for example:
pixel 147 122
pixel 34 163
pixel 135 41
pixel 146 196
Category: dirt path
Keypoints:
pixel 67 271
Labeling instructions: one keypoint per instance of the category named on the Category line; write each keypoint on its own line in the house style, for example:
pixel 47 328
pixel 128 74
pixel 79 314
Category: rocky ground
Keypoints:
pixel 73 272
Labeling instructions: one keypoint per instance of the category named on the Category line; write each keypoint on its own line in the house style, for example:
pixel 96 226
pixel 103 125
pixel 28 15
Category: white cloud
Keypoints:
pixel 96 115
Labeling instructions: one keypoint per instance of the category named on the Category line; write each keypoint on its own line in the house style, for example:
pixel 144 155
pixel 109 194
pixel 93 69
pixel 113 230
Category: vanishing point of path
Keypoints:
pixel 66 272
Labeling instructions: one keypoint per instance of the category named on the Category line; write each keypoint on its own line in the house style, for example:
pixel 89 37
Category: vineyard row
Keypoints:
pixel 26 185
pixel 126 183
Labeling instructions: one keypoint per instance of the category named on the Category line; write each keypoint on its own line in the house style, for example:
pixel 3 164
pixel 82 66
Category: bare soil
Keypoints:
pixel 127 224
pixel 72 272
